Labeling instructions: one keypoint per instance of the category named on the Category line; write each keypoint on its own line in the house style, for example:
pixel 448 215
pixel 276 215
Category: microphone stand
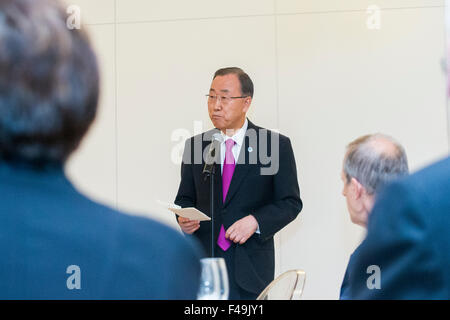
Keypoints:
pixel 210 170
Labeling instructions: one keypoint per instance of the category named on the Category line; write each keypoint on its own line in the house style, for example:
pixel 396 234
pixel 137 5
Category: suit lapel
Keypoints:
pixel 242 167
pixel 218 185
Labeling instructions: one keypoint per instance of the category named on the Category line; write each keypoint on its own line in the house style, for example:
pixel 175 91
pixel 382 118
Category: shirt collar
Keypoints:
pixel 238 137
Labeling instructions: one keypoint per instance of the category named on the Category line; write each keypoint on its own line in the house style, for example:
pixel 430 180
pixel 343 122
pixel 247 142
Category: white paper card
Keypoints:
pixel 191 213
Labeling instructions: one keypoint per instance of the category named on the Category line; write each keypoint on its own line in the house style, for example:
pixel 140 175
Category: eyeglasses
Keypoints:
pixel 223 99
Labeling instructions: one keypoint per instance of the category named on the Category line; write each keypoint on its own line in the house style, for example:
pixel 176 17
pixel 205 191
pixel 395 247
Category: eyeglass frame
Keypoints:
pixel 223 97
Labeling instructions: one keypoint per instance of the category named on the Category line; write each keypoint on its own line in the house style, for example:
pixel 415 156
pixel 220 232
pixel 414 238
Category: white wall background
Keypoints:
pixel 321 76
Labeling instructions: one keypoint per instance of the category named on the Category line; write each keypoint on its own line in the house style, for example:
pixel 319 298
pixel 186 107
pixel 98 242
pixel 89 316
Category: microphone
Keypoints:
pixel 216 140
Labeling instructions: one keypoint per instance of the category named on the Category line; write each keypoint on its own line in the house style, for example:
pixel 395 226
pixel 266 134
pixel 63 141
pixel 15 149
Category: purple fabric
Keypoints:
pixel 223 242
pixel 227 174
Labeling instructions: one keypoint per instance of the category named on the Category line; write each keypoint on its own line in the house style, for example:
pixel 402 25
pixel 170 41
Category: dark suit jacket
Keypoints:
pixel 47 226
pixel 344 292
pixel 273 199
pixel 409 239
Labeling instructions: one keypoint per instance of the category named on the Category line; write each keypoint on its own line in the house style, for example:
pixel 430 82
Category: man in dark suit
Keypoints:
pixel 56 243
pixel 256 188
pixel 371 162
pixel 406 254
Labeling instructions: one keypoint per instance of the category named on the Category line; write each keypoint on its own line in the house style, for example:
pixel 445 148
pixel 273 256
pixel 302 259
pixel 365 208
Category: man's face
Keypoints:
pixel 224 111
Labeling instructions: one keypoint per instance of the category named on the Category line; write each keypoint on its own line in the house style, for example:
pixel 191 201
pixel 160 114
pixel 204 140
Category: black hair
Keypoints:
pixel 244 79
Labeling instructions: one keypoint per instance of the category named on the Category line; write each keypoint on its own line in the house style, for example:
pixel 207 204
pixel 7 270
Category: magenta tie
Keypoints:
pixel 227 174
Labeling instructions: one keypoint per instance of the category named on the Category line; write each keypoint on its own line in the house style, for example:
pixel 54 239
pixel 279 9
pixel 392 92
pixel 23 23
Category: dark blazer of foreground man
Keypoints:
pixel 408 239
pixel 263 196
pixel 55 243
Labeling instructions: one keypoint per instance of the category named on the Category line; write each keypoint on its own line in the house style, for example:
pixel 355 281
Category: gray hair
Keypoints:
pixel 373 164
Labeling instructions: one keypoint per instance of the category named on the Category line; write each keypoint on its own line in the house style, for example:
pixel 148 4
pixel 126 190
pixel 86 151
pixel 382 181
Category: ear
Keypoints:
pixel 247 103
pixel 357 188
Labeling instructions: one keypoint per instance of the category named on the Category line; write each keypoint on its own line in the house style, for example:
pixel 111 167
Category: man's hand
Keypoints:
pixel 188 226
pixel 242 229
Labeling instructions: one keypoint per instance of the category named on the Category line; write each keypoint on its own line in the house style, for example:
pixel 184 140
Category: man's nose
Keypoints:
pixel 218 104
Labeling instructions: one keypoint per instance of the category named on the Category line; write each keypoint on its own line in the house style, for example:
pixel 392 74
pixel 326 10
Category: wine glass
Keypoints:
pixel 214 280
pixel 223 279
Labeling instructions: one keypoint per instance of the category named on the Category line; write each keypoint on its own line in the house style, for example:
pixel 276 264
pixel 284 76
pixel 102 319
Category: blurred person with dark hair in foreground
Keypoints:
pixel 55 243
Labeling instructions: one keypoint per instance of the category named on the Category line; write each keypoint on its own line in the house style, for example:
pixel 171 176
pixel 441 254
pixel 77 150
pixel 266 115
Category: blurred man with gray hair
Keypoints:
pixel 406 253
pixel 370 163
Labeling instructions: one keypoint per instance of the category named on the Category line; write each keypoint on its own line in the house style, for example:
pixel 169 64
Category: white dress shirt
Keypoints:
pixel 238 138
